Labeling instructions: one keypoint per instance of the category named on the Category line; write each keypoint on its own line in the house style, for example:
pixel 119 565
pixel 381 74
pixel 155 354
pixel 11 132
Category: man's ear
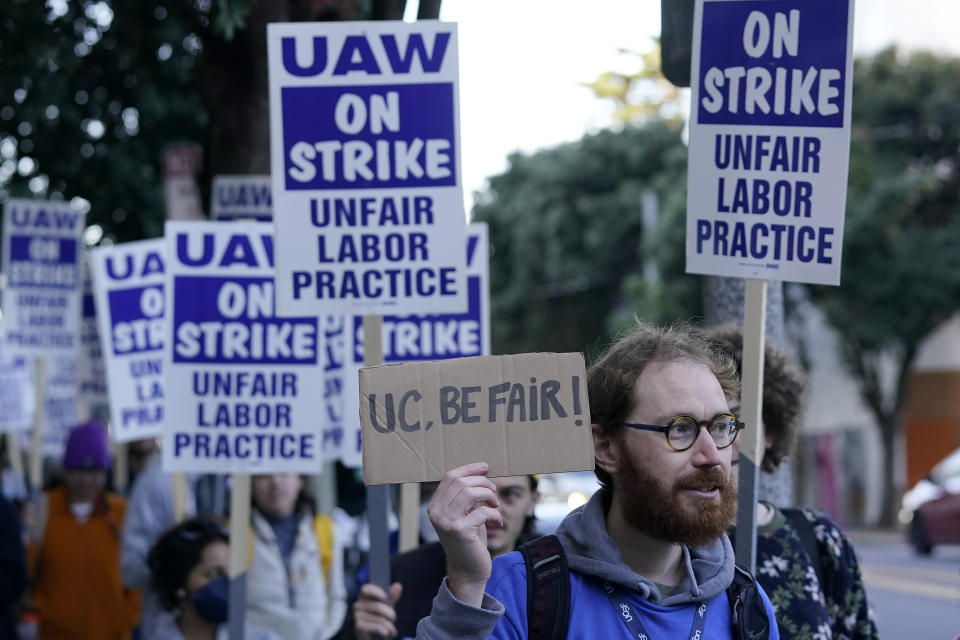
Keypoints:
pixel 606 451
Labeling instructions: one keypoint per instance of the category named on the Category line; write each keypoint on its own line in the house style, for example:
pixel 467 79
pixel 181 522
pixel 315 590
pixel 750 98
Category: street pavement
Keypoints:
pixel 913 597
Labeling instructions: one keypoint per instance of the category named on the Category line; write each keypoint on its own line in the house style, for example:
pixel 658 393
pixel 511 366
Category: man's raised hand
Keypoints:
pixel 463 504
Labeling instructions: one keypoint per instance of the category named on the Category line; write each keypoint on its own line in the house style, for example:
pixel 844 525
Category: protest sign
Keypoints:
pixel 59 404
pixel 334 356
pixel 91 370
pixel 41 260
pixel 521 414
pixel 16 392
pixel 181 166
pixel 366 161
pixel 243 386
pixel 423 337
pixel 130 299
pixel 241 198
pixel 769 138
pixel 249 197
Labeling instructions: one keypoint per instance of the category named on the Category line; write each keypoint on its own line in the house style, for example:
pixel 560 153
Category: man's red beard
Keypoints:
pixel 663 513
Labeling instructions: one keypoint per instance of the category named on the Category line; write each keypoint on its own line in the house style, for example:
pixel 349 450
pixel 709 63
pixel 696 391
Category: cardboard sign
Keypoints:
pixel 91 370
pixel 16 392
pixel 241 198
pixel 129 287
pixel 424 337
pixel 521 414
pixel 41 259
pixel 243 386
pixel 769 138
pixel 365 150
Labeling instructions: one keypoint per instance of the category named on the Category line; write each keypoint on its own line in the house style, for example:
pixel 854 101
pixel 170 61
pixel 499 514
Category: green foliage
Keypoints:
pixel 90 93
pixel 901 268
pixel 566 230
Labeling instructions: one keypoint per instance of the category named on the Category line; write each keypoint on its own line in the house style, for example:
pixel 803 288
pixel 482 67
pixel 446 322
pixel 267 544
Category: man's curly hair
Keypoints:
pixel 783 388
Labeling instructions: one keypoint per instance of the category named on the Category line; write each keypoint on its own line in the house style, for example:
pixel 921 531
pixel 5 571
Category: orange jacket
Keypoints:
pixel 77 588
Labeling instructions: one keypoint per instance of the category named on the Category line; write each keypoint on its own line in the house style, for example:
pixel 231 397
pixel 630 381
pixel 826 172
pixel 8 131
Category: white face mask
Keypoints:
pixel 81 511
pixel 427 532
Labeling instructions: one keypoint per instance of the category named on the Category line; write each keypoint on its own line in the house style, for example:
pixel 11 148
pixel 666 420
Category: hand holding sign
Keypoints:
pixel 460 509
pixel 373 614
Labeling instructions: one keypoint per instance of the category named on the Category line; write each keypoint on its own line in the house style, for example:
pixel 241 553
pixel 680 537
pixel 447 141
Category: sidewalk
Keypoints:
pixel 876 536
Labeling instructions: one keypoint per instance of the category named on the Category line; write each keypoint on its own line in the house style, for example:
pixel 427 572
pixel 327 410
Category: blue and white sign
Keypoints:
pixel 365 150
pixel 244 387
pixel 424 337
pixel 59 404
pixel 16 392
pixel 91 370
pixel 131 303
pixel 41 259
pixel 771 87
pixel 241 198
pixel 334 366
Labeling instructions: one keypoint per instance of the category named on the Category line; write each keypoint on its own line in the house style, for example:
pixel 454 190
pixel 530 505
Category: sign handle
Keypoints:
pixel 121 467
pixel 378 497
pixel 15 453
pixel 409 520
pixel 179 481
pixel 39 417
pixel 751 396
pixel 239 558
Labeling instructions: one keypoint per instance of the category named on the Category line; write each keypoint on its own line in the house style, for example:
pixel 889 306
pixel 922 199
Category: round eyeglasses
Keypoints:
pixel 683 431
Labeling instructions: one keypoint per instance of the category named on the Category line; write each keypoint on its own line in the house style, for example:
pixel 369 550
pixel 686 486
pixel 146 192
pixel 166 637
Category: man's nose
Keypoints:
pixel 705 451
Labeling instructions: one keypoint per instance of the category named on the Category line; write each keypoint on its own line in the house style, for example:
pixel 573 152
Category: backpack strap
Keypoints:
pixel 323 529
pixel 548 589
pixel 749 616
pixel 808 538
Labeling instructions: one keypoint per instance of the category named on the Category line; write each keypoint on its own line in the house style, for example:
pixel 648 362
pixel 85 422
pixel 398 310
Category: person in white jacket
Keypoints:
pixel 295 585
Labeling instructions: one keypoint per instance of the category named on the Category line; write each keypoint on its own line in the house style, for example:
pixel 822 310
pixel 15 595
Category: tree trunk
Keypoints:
pixel 235 80
pixel 236 92
pixel 891 489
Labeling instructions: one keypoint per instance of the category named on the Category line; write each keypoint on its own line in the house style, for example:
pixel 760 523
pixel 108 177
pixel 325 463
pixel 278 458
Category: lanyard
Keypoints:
pixel 635 625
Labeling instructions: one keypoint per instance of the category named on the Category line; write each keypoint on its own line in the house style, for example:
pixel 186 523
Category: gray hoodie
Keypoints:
pixel 590 551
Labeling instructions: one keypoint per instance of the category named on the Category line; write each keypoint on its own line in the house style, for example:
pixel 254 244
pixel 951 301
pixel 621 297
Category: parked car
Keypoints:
pixel 560 493
pixel 932 506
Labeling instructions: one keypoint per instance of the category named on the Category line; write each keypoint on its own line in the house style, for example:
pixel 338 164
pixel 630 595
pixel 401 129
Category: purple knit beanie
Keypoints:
pixel 87 447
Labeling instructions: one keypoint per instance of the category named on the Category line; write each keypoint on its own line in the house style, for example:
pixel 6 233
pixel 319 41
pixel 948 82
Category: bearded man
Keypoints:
pixel 647 555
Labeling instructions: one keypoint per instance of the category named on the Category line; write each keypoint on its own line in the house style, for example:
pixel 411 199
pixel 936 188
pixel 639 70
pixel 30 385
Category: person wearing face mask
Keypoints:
pixel 188 567
pixel 75 540
pixel 295 586
pixel 417 574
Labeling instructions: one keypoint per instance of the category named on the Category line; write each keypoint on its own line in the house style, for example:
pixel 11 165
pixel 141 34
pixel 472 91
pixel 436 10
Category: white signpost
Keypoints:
pixel 241 198
pixel 16 393
pixel 41 305
pixel 41 259
pixel 365 149
pixel 771 89
pixel 91 370
pixel 771 86
pixel 243 386
pixel 129 288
